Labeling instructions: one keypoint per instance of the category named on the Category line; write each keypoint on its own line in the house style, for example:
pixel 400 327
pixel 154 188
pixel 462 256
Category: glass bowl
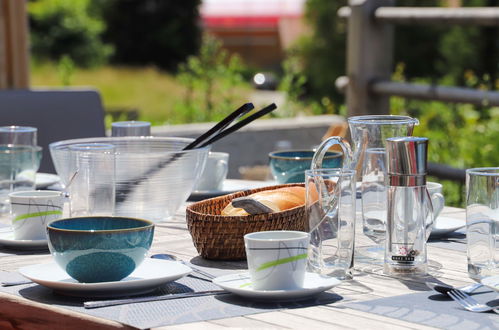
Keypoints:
pixel 153 175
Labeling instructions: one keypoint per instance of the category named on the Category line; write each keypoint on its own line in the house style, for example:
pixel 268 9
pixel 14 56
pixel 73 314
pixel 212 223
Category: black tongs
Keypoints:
pixel 225 127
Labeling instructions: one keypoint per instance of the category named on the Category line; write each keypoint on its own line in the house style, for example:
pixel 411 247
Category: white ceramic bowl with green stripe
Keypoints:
pixel 277 259
pixel 32 211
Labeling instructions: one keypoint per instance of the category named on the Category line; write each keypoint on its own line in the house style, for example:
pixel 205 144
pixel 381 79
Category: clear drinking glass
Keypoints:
pixel 18 135
pixel 131 128
pixel 18 166
pixel 330 211
pixel 373 199
pixel 482 221
pixel 92 190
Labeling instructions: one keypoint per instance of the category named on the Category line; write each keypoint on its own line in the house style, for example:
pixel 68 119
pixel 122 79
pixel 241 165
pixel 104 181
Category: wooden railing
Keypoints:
pixel 370 54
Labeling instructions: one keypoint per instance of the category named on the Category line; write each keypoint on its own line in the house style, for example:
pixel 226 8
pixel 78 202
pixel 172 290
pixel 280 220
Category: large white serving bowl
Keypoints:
pixel 153 175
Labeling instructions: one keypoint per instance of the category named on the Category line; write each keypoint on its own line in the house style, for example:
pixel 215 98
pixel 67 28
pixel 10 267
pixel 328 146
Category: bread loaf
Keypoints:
pixel 277 200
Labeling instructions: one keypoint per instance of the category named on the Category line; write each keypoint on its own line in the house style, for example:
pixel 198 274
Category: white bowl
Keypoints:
pixel 153 175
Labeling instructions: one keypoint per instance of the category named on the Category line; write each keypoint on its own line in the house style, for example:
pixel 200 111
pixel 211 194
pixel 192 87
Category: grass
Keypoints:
pixel 153 93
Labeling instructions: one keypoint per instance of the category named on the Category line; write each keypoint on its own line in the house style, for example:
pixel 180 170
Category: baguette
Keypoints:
pixel 276 200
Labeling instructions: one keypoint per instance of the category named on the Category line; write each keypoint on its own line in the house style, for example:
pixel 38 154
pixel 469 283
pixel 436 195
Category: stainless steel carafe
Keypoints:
pixel 410 211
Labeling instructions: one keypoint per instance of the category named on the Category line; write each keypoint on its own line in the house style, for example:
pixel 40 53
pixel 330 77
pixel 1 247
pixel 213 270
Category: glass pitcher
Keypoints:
pixel 368 133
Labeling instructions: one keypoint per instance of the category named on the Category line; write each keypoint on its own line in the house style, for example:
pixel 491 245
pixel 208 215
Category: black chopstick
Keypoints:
pixel 241 111
pixel 269 108
pixel 122 194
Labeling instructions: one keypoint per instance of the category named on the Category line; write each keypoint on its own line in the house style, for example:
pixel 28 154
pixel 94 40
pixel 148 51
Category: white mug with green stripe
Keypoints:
pixel 277 259
pixel 31 211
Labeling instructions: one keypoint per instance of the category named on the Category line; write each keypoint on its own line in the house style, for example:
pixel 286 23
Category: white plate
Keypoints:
pixel 230 186
pixel 445 225
pixel 148 276
pixel 240 284
pixel 491 282
pixel 43 180
pixel 7 239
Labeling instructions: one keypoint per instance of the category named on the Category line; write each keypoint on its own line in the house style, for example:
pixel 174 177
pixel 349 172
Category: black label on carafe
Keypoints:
pixel 403 258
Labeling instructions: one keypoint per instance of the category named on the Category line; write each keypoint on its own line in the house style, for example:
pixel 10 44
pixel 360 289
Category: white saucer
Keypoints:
pixel 44 180
pixel 491 282
pixel 240 284
pixel 7 239
pixel 445 225
pixel 148 276
pixel 229 186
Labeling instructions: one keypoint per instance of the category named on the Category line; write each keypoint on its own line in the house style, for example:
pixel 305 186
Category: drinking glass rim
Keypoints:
pixel 298 235
pixel 329 154
pixel 330 172
pixel 16 148
pixel 383 119
pixel 26 194
pixel 484 171
pixel 18 129
pixel 131 123
pixel 92 147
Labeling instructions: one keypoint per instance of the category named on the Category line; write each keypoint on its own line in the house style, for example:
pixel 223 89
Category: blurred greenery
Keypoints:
pixel 438 53
pixel 67 28
pixel 461 135
pixel 213 81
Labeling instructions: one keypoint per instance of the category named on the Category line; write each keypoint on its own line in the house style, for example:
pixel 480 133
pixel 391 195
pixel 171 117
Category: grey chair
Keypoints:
pixel 58 115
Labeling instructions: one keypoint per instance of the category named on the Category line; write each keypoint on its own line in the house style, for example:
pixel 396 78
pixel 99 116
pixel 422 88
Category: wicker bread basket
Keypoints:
pixel 221 237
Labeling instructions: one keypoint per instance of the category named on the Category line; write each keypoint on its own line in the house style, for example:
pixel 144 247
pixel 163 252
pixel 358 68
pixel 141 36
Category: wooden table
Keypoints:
pixel 173 237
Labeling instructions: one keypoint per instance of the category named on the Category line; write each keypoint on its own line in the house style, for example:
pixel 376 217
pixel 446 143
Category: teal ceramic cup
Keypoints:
pixel 99 249
pixel 289 166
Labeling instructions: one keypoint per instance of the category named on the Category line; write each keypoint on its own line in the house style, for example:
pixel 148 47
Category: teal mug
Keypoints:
pixel 288 166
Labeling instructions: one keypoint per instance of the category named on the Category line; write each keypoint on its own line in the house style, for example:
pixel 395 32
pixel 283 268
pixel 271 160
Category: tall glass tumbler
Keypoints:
pixel 131 128
pixel 374 203
pixel 18 166
pixel 18 135
pixel 330 211
pixel 482 221
pixel 92 188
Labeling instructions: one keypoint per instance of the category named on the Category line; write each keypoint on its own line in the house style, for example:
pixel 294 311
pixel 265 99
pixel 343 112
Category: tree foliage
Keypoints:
pixel 212 79
pixel 157 32
pixel 67 28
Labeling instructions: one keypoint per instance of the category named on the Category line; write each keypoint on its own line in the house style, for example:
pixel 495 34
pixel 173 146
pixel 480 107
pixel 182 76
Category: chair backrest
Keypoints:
pixel 58 115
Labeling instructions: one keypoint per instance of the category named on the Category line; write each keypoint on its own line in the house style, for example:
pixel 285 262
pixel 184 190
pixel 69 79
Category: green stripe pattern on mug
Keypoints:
pixel 37 214
pixel 281 261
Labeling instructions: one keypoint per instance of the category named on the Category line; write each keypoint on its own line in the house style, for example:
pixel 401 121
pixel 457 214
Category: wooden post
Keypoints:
pixel 369 57
pixel 14 53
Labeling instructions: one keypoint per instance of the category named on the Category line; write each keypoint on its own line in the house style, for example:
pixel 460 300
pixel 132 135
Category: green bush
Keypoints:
pixel 213 82
pixel 67 28
pixel 461 135
pixel 432 52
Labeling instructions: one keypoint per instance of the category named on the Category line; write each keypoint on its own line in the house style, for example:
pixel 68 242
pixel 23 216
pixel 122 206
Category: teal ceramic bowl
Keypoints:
pixel 289 166
pixel 99 249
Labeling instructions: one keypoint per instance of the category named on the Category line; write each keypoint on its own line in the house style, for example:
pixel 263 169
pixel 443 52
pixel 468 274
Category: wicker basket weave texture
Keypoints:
pixel 222 237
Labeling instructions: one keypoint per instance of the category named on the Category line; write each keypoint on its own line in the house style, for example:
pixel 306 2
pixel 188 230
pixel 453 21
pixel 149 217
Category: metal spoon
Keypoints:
pixel 444 289
pixel 171 257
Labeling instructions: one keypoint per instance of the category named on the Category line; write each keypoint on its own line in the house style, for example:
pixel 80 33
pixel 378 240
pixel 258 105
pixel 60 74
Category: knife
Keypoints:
pixel 115 302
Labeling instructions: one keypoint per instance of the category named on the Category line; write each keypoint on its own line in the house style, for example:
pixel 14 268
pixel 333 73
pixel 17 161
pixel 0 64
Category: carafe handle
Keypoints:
pixel 429 221
pixel 321 151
